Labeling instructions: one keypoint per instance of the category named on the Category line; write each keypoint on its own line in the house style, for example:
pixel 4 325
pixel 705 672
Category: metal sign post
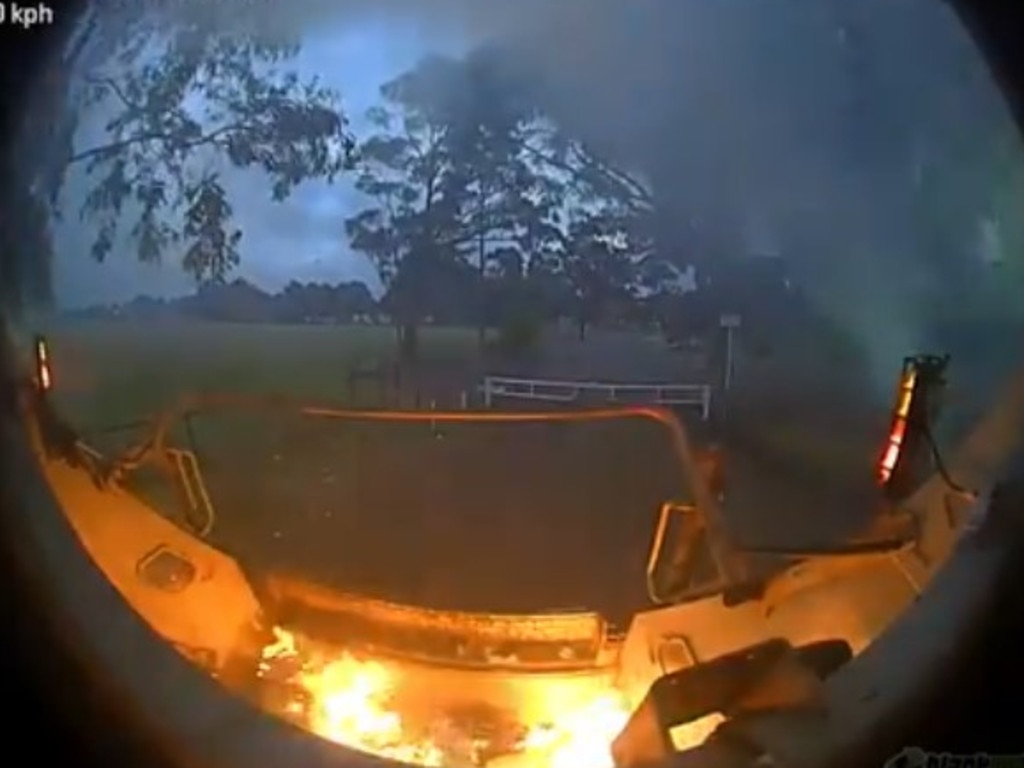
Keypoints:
pixel 730 323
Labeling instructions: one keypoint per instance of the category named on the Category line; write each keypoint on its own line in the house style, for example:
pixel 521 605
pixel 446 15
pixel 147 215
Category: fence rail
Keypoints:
pixel 568 391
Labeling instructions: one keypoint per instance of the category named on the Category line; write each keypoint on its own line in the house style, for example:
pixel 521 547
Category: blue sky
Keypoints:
pixel 301 238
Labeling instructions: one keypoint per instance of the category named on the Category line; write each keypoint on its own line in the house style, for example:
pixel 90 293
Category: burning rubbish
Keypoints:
pixel 358 702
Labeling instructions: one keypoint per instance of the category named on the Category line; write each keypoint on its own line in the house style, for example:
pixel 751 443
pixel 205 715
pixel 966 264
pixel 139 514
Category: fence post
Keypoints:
pixel 706 402
pixel 487 392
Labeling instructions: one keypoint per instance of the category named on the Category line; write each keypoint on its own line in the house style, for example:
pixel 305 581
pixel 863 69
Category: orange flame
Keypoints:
pixel 350 701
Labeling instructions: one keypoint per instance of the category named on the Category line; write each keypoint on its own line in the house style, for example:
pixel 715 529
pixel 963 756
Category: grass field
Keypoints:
pixel 115 372
pixel 452 517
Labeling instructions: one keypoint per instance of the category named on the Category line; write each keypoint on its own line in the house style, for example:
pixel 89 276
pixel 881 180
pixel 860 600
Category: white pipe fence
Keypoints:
pixel 568 391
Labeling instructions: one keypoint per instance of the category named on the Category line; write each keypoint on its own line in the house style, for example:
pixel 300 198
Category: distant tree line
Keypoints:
pixel 759 289
pixel 239 301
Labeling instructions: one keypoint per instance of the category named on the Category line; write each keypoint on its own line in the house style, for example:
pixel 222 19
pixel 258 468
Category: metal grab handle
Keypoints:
pixel 191 477
pixel 658 544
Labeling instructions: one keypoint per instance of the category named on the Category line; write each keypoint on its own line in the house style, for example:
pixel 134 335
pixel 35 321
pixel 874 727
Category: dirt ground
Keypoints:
pixel 506 518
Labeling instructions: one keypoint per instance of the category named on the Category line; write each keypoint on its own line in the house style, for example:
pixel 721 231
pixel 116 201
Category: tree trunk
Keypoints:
pixel 481 324
pixel 412 342
pixel 481 329
pixel 408 342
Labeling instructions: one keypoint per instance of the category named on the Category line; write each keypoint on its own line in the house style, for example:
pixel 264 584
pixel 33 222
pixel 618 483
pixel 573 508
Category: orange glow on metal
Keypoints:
pixel 43 372
pixel 898 430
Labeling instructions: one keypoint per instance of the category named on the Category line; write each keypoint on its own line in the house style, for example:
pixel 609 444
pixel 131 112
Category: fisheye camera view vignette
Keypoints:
pixel 559 385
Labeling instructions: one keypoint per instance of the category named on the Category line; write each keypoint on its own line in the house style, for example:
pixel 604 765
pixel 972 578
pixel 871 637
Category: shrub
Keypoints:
pixel 518 336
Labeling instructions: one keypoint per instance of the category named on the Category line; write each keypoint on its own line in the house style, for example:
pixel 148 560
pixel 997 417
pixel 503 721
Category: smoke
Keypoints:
pixel 752 112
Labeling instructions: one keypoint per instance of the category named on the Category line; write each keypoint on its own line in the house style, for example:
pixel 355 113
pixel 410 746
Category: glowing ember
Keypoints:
pixel 351 701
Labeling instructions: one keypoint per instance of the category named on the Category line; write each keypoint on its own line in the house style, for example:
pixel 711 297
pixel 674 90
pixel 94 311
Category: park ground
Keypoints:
pixel 466 516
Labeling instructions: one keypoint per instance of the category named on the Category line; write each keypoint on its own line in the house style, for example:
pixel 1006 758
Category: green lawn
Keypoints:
pixel 109 372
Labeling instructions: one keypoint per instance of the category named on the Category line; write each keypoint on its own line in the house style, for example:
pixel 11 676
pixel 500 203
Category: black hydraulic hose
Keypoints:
pixel 940 464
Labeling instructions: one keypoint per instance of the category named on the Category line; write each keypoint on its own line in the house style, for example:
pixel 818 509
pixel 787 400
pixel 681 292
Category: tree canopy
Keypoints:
pixel 183 90
pixel 466 176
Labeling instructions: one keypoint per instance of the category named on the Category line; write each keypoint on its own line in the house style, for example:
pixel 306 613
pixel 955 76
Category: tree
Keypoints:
pixel 238 301
pixel 204 96
pixel 409 227
pixel 489 177
pixel 598 270
pixel 518 175
pixel 465 169
pixel 185 89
